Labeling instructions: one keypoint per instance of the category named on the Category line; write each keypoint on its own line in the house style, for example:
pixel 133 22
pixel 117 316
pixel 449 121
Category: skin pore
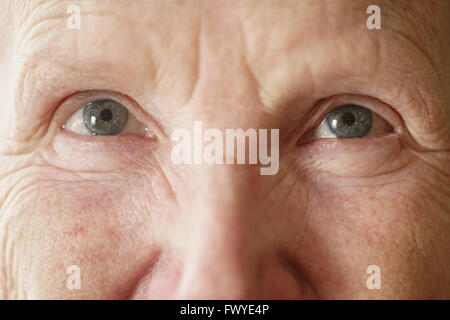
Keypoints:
pixel 139 226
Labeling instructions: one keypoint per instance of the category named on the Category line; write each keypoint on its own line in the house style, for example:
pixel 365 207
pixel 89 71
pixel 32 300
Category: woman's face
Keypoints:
pixel 115 211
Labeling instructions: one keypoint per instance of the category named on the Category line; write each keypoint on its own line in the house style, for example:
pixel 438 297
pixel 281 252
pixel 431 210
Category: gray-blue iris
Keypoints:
pixel 105 117
pixel 350 121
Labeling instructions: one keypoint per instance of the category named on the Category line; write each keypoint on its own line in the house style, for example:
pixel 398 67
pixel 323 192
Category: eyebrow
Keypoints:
pixel 391 38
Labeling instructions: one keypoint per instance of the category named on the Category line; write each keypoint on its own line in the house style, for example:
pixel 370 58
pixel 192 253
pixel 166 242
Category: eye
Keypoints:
pixel 104 117
pixel 351 121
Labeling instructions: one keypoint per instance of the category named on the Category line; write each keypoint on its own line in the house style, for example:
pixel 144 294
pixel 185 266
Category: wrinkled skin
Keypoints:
pixel 139 226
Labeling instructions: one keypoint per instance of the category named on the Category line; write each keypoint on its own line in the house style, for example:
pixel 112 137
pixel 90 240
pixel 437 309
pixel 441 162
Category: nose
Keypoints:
pixel 219 261
pixel 222 246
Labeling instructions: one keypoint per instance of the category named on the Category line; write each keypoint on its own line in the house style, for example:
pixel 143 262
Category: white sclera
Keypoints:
pixel 76 124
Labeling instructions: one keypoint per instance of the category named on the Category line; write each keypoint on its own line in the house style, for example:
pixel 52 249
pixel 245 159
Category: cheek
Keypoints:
pixel 104 228
pixel 83 153
pixel 358 158
pixel 353 224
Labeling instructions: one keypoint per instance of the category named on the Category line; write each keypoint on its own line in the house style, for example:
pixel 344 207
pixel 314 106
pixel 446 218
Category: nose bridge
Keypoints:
pixel 225 82
pixel 219 237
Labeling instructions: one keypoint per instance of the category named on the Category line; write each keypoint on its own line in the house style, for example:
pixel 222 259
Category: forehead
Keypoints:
pixel 339 13
pixel 277 25
pixel 268 25
pixel 142 35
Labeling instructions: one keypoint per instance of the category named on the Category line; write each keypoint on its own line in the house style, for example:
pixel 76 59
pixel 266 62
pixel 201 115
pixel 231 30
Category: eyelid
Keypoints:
pixel 77 101
pixel 383 110
pixel 326 105
pixel 379 126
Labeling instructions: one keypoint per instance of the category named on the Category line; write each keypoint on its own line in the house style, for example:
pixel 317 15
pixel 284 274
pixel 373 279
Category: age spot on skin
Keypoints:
pixel 77 230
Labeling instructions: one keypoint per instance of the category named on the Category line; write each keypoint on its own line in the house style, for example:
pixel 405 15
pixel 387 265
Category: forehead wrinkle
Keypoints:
pixel 127 16
pixel 32 14
pixel 43 14
pixel 356 23
pixel 417 24
pixel 424 27
pixel 267 48
pixel 282 45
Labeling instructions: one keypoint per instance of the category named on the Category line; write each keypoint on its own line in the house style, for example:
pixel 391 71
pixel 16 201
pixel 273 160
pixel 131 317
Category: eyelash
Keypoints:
pixel 325 106
pixel 76 102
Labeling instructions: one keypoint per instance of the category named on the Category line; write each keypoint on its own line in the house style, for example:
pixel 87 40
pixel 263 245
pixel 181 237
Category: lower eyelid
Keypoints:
pixel 119 144
pixel 334 149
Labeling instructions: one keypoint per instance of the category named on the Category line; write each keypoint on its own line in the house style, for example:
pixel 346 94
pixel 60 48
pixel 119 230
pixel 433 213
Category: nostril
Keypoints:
pixel 157 280
pixel 304 284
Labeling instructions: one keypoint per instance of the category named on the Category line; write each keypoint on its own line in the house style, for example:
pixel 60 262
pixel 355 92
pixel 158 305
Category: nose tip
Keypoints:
pixel 220 248
pixel 224 258
pixel 219 260
pixel 239 279
pixel 218 277
pixel 217 280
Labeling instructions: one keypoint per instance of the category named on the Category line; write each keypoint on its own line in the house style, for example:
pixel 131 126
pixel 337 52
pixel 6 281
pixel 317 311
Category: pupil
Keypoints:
pixel 106 115
pixel 348 118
